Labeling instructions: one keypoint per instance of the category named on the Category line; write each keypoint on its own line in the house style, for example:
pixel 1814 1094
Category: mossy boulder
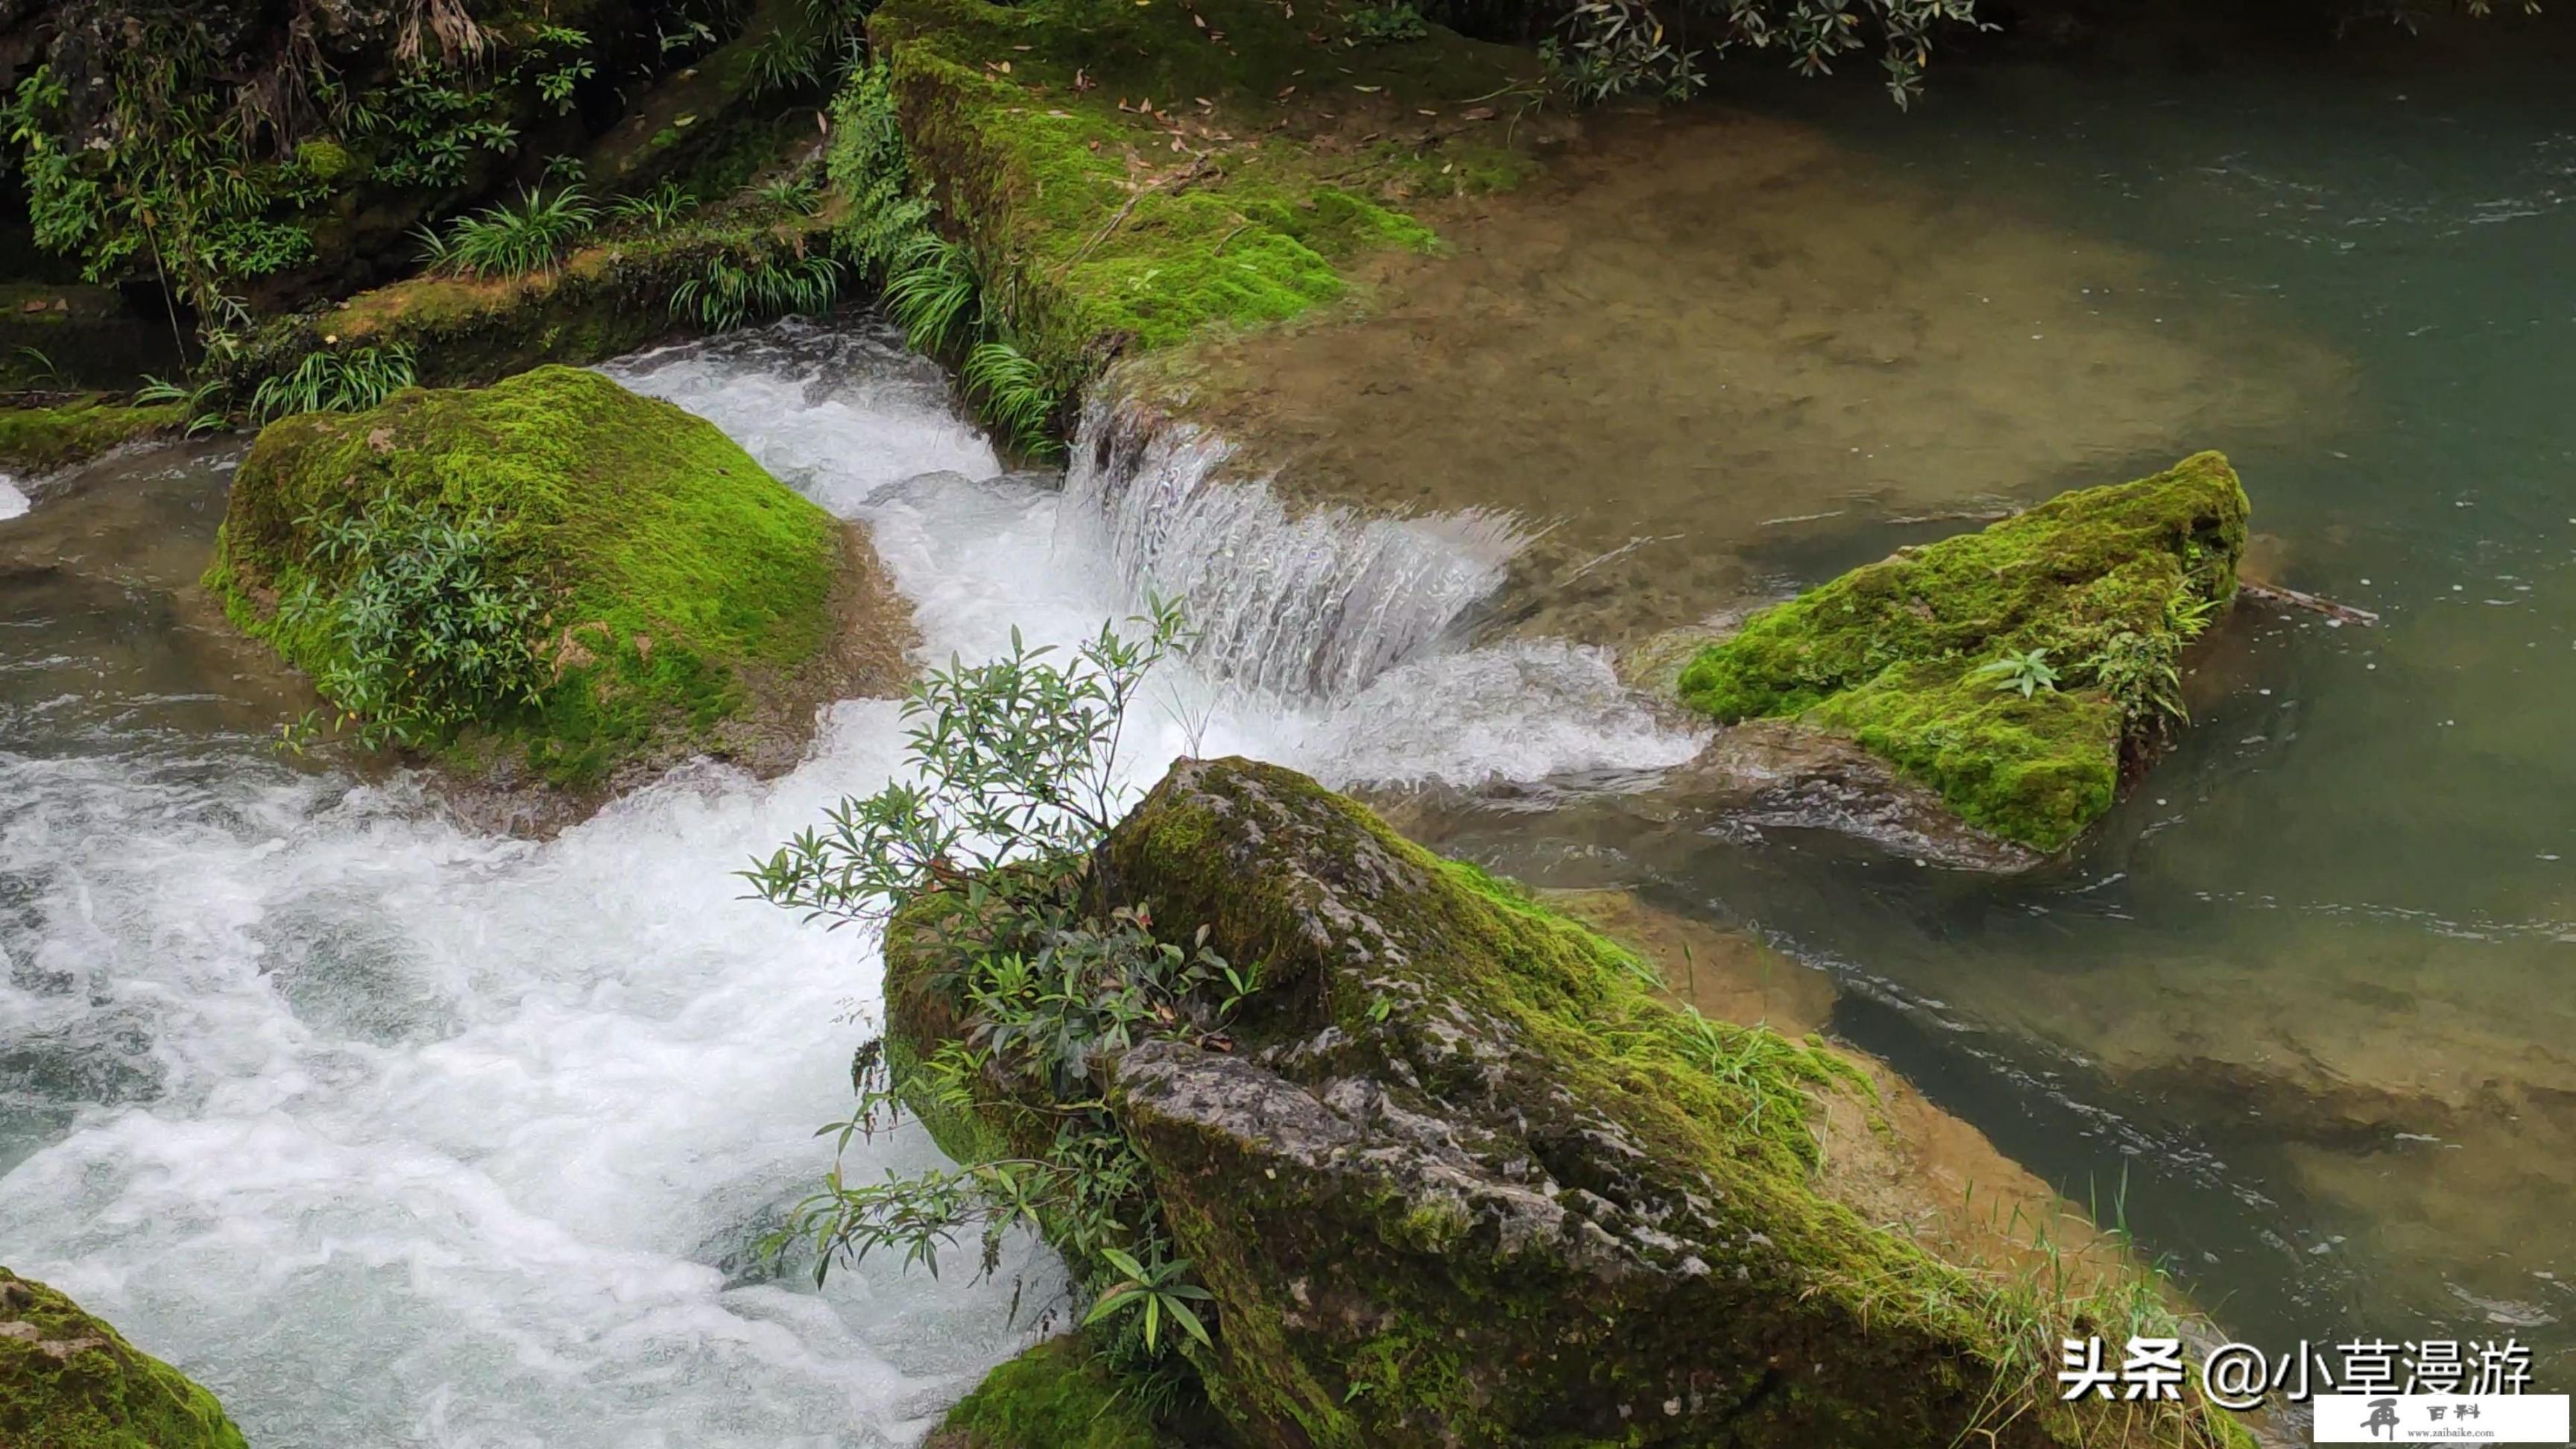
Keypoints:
pixel 693 604
pixel 1890 654
pixel 68 1381
pixel 1459 1174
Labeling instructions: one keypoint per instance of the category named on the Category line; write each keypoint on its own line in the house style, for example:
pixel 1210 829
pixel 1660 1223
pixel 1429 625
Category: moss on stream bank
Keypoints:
pixel 2107 584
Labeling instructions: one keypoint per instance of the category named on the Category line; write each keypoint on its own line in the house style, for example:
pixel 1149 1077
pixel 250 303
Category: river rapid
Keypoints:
pixel 395 1134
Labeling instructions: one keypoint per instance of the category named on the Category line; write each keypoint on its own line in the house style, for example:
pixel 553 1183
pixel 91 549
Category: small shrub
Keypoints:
pixel 1386 24
pixel 434 629
pixel 1014 781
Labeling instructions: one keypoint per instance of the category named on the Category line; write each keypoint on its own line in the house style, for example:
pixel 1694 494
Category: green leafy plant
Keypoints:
pixel 658 206
pixel 334 382
pixel 508 240
pixel 869 164
pixel 1157 1291
pixel 562 75
pixel 434 627
pixel 1014 781
pixel 1386 24
pixel 2143 672
pixel 2025 673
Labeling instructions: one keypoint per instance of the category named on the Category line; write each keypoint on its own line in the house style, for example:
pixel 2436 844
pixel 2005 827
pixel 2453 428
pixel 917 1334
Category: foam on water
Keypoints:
pixel 13 501
pixel 399 1135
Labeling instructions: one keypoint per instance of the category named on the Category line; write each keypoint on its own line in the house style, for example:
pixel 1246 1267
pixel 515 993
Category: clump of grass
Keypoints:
pixel 931 290
pixel 786 60
pixel 796 192
pixel 1013 395
pixel 731 291
pixel 330 382
pixel 512 239
pixel 657 207
pixel 204 400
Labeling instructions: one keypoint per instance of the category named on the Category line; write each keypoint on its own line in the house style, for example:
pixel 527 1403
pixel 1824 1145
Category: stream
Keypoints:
pixel 393 1134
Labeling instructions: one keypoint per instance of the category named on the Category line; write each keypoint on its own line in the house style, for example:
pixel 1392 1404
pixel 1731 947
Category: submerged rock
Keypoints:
pixel 684 601
pixel 1459 1174
pixel 2016 671
pixel 68 1381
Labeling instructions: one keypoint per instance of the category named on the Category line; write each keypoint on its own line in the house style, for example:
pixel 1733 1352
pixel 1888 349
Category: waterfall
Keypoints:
pixel 1302 605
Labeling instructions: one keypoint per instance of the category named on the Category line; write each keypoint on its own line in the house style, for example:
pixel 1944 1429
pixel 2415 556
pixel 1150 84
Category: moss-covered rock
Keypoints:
pixel 1458 1174
pixel 68 1381
pixel 692 602
pixel 1058 1395
pixel 1890 654
pixel 1129 174
pixel 37 440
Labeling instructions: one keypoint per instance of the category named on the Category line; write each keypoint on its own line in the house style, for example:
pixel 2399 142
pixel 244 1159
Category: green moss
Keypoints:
pixel 1110 226
pixel 1887 653
pixel 1058 1395
pixel 42 440
pixel 68 1381
pixel 675 564
pixel 324 159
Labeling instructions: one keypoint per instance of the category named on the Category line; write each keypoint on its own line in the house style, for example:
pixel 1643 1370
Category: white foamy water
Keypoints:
pixel 13 501
pixel 397 1135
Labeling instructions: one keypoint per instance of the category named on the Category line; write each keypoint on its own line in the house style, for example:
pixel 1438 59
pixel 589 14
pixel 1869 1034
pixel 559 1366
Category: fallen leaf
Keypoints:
pixel 1287 90
pixel 1480 113
pixel 1419 111
pixel 1370 89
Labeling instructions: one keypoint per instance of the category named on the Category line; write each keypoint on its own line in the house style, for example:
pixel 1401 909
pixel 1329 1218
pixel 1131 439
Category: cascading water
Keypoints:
pixel 394 1134
pixel 1311 605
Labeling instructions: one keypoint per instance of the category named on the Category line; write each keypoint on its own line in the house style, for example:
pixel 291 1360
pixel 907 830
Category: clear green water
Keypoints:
pixel 2307 1001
